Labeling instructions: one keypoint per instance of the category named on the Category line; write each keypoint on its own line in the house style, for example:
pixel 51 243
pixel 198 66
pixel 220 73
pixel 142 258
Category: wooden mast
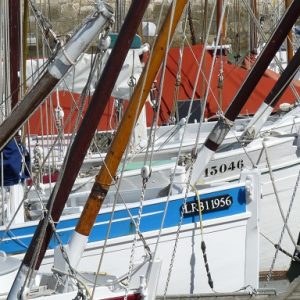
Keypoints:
pixel 253 30
pixel 119 14
pixel 203 38
pixel 266 108
pixel 24 42
pixel 191 25
pixel 204 21
pixel 15 49
pixel 289 42
pixel 81 143
pixel 76 45
pixel 113 158
pixel 219 14
pixel 221 21
pixel 225 123
pixel 63 61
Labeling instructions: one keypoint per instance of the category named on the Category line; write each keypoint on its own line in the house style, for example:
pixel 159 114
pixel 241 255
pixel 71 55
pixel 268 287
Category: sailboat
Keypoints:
pixel 233 77
pixel 139 278
pixel 231 212
pixel 194 205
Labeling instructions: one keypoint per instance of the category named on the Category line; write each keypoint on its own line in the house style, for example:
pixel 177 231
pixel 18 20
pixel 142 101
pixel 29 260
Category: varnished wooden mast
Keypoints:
pixel 93 115
pixel 119 144
pixel 191 25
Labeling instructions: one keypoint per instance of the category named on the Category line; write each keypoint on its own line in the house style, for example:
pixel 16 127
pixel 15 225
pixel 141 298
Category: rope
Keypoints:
pixel 211 70
pixel 136 224
pixel 154 125
pixel 48 213
pixel 72 272
pixel 203 245
pixel 174 112
pixel 7 229
pixel 285 219
pixel 44 24
pixel 172 180
pixel 261 32
pixel 276 246
pixel 276 194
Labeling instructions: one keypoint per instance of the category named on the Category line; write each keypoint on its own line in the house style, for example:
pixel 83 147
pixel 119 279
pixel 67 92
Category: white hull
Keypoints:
pixel 224 250
pixel 226 166
pixel 284 158
pixel 232 244
pixel 143 284
pixel 271 220
pixel 285 169
pixel 285 173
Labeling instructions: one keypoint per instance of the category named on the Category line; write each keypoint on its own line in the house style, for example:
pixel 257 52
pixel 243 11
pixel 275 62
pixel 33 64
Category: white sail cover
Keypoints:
pixel 76 78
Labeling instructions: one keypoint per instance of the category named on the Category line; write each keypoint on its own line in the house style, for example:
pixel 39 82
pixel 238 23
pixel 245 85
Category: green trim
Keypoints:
pixel 139 164
pixel 136 43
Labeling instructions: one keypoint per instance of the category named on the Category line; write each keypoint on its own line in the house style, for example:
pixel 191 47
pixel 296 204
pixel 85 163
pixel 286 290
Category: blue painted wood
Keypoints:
pixel 17 240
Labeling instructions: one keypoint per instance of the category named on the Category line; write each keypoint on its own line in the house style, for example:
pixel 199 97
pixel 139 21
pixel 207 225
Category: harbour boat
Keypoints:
pixel 230 219
pixel 132 285
pixel 231 213
pixel 233 77
pixel 222 188
pixel 285 183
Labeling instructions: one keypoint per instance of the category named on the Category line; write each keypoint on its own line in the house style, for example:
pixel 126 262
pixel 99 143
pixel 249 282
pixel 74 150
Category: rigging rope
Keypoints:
pixel 137 224
pixel 72 272
pixel 203 245
pixel 8 226
pixel 285 222
pixel 47 215
pixel 174 115
pixel 276 193
pixel 211 72
pixel 177 234
pixel 172 181
pixel 279 64
pixel 118 186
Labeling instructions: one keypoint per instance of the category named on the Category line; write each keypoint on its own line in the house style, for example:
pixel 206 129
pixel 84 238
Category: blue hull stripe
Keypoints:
pixel 17 239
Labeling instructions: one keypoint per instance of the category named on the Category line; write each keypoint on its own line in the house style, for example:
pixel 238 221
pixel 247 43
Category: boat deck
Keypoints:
pixel 292 293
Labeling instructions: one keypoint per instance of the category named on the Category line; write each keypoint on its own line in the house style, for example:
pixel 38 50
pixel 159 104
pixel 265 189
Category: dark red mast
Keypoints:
pixel 15 49
pixel 101 96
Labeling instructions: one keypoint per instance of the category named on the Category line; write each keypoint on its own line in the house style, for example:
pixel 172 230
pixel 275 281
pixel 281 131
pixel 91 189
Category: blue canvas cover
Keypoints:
pixel 13 170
